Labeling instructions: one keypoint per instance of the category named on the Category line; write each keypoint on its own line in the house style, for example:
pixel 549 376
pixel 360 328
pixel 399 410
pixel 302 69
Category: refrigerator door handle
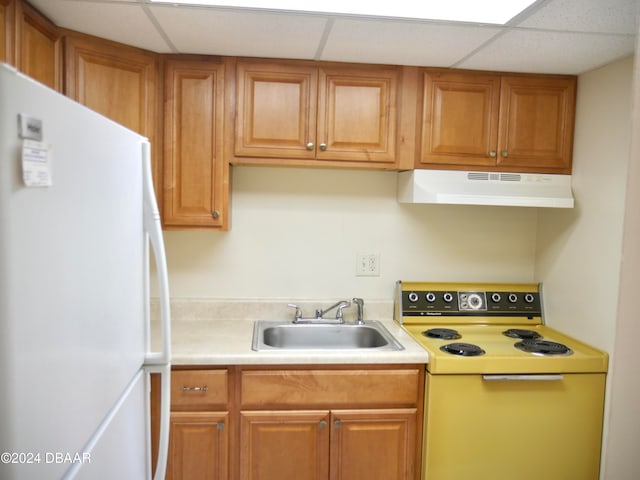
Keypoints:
pixel 154 230
pixel 165 405
pixel 158 362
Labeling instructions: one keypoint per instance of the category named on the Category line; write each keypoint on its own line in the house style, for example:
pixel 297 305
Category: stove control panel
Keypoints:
pixel 426 299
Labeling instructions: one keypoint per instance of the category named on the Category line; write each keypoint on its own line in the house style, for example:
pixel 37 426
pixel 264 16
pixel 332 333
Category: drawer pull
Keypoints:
pixel 522 378
pixel 195 389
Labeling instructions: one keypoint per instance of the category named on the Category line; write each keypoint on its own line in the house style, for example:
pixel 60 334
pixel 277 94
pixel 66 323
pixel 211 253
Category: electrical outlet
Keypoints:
pixel 368 265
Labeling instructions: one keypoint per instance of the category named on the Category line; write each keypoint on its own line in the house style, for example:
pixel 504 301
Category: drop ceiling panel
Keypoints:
pixel 402 42
pixel 549 52
pixel 596 16
pixel 124 22
pixel 228 32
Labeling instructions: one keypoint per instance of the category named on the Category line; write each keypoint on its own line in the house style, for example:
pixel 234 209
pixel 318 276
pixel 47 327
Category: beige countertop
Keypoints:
pixel 228 342
pixel 220 332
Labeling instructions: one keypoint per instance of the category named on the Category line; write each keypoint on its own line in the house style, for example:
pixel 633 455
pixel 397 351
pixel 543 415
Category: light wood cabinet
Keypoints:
pixel 337 445
pixel 39 47
pixel 364 423
pixel 198 446
pixel 284 444
pixel 373 444
pixel 302 113
pixel 118 81
pixel 31 43
pixel 196 176
pixel 493 121
pixel 7 29
pixel 199 426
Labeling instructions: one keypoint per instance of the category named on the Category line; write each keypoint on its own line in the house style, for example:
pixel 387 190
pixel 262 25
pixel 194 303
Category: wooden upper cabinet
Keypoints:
pixel 497 122
pixel 276 110
pixel 305 112
pixel 536 122
pixel 31 43
pixel 117 81
pixel 39 52
pixel 121 83
pixel 7 27
pixel 195 172
pixel 460 118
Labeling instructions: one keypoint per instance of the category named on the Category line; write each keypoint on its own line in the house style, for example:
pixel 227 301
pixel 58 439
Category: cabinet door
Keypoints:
pixel 39 47
pixel 194 171
pixel 373 444
pixel 536 122
pixel 198 446
pixel 276 110
pixel 7 28
pixel 460 118
pixel 277 445
pixel 119 82
pixel 357 114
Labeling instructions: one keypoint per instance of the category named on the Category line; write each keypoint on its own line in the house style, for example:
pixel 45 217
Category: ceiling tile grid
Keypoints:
pixel 552 36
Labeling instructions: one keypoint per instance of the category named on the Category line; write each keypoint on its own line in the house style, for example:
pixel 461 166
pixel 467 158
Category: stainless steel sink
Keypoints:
pixel 276 335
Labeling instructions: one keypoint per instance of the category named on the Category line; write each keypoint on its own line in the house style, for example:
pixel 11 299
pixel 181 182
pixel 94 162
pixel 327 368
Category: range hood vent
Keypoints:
pixel 485 188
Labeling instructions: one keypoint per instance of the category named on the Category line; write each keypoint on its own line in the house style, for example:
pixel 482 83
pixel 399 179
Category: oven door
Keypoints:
pixel 522 426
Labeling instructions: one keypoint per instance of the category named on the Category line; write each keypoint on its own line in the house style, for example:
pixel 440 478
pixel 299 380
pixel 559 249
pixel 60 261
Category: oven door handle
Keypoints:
pixel 523 378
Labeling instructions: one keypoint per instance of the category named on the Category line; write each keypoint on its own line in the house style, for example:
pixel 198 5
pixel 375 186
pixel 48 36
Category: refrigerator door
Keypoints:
pixel 72 281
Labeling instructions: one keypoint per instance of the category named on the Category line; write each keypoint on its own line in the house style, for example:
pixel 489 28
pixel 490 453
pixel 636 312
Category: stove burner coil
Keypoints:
pixel 522 334
pixel 442 333
pixel 463 349
pixel 543 347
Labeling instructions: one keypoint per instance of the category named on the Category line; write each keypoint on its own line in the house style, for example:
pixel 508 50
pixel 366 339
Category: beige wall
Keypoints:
pixel 622 459
pixel 580 253
pixel 295 234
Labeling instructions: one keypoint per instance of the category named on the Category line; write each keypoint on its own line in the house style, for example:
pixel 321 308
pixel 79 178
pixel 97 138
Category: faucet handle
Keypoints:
pixel 298 312
pixel 342 305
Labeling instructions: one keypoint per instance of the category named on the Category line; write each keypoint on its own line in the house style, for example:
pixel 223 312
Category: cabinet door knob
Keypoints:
pixel 215 214
pixel 323 146
pixel 310 146
pixel 323 424
pixel 337 423
pixel 505 153
pixel 492 154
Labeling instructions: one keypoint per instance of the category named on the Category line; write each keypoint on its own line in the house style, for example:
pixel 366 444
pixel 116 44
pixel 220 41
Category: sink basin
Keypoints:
pixel 276 335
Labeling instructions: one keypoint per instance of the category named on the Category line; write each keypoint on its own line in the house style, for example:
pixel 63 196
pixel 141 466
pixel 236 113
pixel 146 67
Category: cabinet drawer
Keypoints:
pixel 330 388
pixel 199 389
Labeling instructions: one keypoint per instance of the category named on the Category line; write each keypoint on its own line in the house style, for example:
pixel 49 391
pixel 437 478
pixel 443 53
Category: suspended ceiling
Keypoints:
pixel 552 36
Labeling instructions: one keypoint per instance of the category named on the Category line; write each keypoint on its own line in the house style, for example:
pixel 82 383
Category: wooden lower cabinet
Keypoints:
pixel 282 422
pixel 284 444
pixel 198 446
pixel 373 444
pixel 335 445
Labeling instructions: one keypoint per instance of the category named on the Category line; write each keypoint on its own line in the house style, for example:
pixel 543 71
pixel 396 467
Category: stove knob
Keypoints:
pixel 447 297
pixel 529 298
pixel 413 297
pixel 513 298
pixel 496 297
pixel 430 297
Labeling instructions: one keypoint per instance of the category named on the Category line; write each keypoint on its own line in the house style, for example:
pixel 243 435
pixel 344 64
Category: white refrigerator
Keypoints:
pixel 79 227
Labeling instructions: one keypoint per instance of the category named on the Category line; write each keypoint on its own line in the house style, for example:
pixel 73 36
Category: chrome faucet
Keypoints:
pixel 360 304
pixel 342 304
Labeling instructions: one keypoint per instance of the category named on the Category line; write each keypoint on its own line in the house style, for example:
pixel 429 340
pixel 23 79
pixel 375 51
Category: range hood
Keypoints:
pixel 485 188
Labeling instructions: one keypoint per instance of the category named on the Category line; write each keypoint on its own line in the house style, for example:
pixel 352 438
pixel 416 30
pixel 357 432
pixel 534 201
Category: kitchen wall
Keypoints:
pixel 295 234
pixel 581 253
